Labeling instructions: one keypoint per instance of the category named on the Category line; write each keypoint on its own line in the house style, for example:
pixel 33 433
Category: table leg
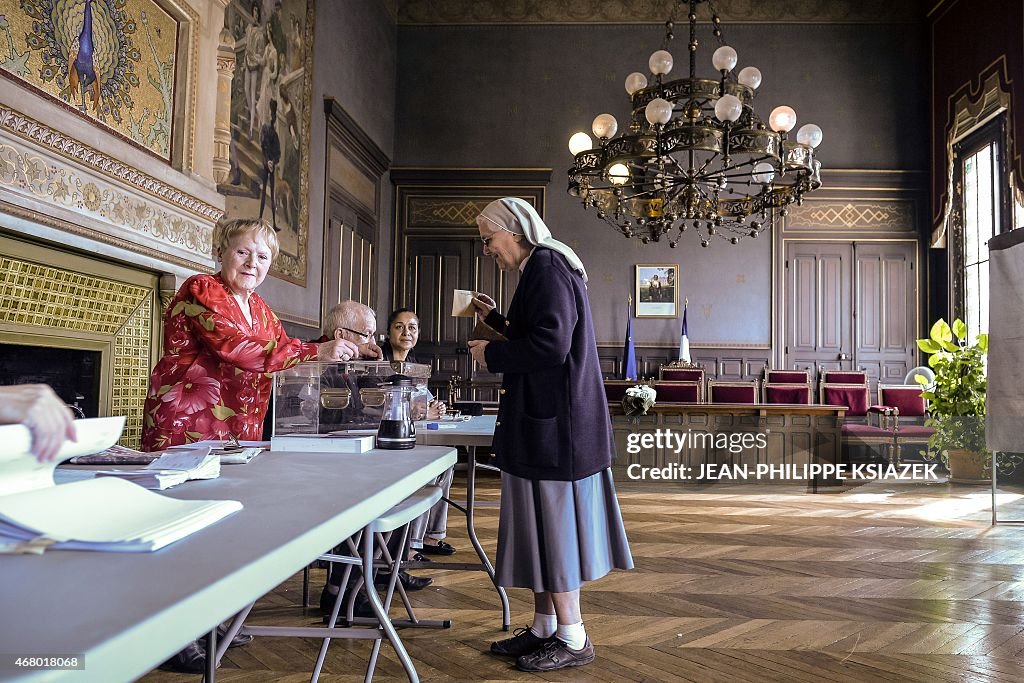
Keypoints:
pixel 506 616
pixel 382 616
pixel 211 656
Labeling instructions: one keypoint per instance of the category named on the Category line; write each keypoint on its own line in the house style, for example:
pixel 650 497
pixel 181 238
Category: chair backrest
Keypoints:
pixel 844 376
pixel 615 389
pixel 928 373
pixel 679 392
pixel 724 391
pixel 787 377
pixel 853 396
pixel 906 397
pixel 791 394
pixel 681 374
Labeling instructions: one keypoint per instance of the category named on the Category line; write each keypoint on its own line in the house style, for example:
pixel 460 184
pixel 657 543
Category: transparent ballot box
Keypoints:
pixel 320 398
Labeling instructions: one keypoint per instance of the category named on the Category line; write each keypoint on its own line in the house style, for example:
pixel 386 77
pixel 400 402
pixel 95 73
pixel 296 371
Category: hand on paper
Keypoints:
pixel 477 349
pixel 483 304
pixel 45 415
pixel 337 349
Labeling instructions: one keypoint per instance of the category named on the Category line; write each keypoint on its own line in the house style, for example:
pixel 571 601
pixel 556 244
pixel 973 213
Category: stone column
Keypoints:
pixel 222 123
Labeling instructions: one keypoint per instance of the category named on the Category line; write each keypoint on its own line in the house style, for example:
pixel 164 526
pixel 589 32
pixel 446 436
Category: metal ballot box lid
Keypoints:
pixel 320 397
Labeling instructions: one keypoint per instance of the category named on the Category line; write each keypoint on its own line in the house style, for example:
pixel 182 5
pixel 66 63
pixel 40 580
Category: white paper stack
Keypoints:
pixel 96 514
pixel 172 468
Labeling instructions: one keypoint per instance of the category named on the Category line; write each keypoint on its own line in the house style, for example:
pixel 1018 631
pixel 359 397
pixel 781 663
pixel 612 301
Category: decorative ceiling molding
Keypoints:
pixel 462 12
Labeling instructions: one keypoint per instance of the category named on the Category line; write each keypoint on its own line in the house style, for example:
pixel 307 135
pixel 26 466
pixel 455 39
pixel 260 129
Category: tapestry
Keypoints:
pixel 113 61
pixel 270 122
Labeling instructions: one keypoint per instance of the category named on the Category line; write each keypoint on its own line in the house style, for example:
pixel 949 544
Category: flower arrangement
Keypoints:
pixel 638 400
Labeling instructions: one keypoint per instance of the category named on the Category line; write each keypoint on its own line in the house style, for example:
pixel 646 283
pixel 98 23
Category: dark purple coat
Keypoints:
pixel 553 416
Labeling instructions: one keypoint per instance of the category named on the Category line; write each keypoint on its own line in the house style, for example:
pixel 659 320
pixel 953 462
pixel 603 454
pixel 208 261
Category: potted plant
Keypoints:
pixel 956 400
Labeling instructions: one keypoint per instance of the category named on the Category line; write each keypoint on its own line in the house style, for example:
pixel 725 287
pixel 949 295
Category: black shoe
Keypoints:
pixel 361 609
pixel 420 557
pixel 240 639
pixel 439 548
pixel 191 660
pixel 410 582
pixel 523 642
pixel 555 654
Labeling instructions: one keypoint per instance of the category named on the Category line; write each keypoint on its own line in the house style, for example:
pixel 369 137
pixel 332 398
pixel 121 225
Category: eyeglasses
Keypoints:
pixel 365 335
pixel 490 237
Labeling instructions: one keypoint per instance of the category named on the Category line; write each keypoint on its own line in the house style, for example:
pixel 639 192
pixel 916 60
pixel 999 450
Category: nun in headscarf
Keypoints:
pixel 560 523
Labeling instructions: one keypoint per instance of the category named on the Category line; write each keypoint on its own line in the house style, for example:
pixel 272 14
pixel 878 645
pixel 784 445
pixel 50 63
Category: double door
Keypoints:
pixel 851 306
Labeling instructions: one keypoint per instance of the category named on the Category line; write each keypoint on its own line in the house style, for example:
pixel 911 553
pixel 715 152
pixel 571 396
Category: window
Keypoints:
pixel 983 210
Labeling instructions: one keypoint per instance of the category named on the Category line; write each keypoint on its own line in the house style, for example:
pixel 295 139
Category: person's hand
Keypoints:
pixel 436 410
pixel 477 347
pixel 483 305
pixel 38 408
pixel 337 349
pixel 370 350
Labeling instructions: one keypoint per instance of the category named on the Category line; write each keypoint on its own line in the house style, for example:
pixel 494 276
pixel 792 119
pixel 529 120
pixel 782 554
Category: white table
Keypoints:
pixel 477 431
pixel 128 612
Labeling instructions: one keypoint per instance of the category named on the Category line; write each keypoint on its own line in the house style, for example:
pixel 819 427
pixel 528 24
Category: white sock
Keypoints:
pixel 544 625
pixel 573 635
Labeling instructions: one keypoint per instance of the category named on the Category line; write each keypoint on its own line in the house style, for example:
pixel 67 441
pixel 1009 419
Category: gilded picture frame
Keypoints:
pixel 656 290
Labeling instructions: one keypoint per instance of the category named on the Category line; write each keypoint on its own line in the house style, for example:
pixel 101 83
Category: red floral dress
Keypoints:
pixel 214 378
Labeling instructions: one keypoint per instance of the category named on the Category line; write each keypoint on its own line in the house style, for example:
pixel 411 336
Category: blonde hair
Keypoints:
pixel 229 228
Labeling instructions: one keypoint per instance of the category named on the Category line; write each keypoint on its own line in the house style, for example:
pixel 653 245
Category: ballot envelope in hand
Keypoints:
pixel 486 332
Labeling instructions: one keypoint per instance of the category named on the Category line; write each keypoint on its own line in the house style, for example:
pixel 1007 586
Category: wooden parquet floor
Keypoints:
pixel 884 582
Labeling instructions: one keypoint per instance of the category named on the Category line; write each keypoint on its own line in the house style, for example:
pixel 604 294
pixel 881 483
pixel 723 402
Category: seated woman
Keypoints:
pixel 220 342
pixel 427 533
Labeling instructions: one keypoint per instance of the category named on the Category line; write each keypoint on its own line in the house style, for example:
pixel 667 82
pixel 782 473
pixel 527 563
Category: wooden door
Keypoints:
pixel 851 306
pixel 819 306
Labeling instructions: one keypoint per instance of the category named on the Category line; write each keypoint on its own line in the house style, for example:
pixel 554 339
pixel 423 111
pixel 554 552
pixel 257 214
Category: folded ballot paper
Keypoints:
pixel 105 513
pixel 172 468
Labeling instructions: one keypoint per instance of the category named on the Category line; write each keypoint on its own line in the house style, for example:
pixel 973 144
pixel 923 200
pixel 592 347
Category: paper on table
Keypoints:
pixel 22 472
pixel 462 304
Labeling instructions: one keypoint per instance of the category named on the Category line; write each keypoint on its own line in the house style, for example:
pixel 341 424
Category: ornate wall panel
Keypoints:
pixel 881 215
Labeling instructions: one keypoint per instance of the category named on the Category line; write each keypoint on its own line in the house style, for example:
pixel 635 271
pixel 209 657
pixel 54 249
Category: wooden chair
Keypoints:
pixel 909 409
pixel 615 389
pixel 857 429
pixel 732 391
pixel 787 394
pixel 679 392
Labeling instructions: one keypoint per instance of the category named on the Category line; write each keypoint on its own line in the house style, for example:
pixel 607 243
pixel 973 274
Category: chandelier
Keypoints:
pixel 695 154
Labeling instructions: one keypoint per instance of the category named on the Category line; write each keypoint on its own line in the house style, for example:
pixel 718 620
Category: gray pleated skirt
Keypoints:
pixel 554 535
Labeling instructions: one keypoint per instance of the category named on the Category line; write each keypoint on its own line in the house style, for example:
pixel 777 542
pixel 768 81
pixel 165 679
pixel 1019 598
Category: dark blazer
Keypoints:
pixel 553 416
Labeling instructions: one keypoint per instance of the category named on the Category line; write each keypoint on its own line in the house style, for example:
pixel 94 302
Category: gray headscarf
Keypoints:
pixel 519 217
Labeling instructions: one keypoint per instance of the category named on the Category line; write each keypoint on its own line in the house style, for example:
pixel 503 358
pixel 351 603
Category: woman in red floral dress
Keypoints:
pixel 221 342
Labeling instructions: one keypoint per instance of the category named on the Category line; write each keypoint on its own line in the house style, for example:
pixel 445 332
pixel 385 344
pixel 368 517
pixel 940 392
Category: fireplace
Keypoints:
pixel 82 324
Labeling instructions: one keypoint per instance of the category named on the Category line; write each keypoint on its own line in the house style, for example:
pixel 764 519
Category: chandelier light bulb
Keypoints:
pixel 618 174
pixel 604 126
pixel 782 119
pixel 764 173
pixel 724 58
pixel 809 134
pixel 658 111
pixel 635 81
pixel 660 62
pixel 580 142
pixel 728 108
pixel 750 76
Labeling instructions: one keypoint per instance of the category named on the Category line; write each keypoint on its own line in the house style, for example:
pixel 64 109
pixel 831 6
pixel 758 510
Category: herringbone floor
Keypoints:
pixel 885 582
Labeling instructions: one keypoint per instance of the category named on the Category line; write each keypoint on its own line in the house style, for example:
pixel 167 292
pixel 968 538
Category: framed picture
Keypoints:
pixel 656 290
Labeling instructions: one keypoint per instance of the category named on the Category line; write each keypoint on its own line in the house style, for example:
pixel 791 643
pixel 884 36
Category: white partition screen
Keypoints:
pixel 1004 424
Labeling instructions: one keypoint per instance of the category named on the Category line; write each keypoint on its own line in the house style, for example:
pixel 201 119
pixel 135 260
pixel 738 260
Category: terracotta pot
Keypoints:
pixel 968 467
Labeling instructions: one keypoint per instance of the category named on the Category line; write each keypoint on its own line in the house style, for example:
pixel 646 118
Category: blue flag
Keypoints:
pixel 629 352
pixel 684 339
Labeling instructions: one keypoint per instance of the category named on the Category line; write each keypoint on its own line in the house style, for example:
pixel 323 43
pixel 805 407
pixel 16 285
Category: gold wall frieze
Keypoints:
pixel 457 12
pixel 44 178
pixel 445 212
pixel 61 144
pixel 889 215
